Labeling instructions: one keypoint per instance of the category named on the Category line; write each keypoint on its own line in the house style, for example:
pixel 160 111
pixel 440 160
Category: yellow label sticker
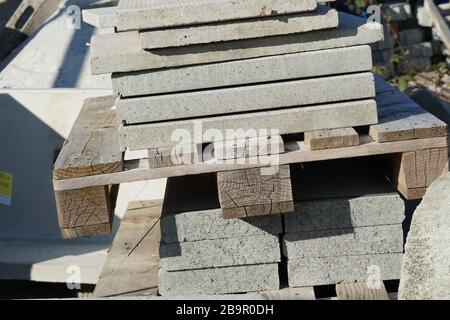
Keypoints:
pixel 6 183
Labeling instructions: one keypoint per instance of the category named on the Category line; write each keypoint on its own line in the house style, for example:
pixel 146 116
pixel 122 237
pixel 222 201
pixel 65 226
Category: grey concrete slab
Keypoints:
pixel 149 14
pixel 332 270
pixel 220 253
pixel 344 213
pixel 322 18
pixel 219 280
pixel 426 266
pixel 292 120
pixel 249 71
pixel 209 225
pixel 344 242
pixel 122 52
pixel 246 98
pixel 100 17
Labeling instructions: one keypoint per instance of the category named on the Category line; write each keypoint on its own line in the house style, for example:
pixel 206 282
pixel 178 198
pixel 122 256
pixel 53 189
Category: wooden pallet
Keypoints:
pixel 131 268
pixel 414 144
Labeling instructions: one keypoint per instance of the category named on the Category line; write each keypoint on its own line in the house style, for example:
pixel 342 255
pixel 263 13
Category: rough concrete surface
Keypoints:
pixel 292 120
pixel 220 253
pixel 426 266
pixel 219 280
pixel 344 242
pixel 332 270
pixel 209 225
pixel 246 98
pixel 341 213
pixel 322 18
pixel 225 74
pixel 149 14
pixel 122 52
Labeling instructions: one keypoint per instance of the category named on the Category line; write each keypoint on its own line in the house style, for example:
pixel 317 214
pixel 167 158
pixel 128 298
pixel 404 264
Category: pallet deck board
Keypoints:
pixel 133 260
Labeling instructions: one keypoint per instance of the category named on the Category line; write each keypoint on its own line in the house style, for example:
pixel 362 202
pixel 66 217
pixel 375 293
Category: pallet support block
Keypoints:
pixel 412 172
pixel 86 212
pixel 331 138
pixel 248 192
pixel 169 157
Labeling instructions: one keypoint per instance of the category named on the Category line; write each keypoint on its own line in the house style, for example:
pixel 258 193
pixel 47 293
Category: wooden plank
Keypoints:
pixel 296 152
pixel 439 22
pixel 176 156
pixel 329 139
pixel 360 291
pixel 133 259
pixel 247 193
pixel 27 18
pixel 412 172
pixel 400 118
pixel 93 143
pixel 91 148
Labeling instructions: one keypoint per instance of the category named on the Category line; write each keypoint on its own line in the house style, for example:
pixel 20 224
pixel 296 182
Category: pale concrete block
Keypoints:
pixel 344 242
pixel 220 253
pixel 266 69
pixel 292 120
pixel 411 36
pixel 219 280
pixel 322 18
pixel 209 225
pixel 332 270
pixel 426 267
pixel 104 17
pixel 150 14
pixel 245 98
pixel 122 52
pixel 328 214
pixel 423 17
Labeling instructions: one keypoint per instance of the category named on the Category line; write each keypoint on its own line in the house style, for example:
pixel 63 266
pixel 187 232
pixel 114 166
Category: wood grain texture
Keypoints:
pixel 400 118
pixel 330 139
pixel 360 291
pixel 295 152
pixel 169 157
pixel 92 148
pixel 245 148
pixel 132 265
pixel 93 143
pixel 86 212
pixel 247 193
pixel 412 172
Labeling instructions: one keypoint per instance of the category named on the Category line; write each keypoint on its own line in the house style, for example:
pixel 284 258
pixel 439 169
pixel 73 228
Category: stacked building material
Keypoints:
pixel 294 66
pixel 429 18
pixel 406 45
pixel 347 226
pixel 202 253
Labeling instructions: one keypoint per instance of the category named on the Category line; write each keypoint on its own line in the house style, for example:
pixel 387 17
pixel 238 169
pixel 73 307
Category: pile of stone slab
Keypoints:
pixel 429 19
pixel 294 66
pixel 202 253
pixel 347 226
pixel 406 45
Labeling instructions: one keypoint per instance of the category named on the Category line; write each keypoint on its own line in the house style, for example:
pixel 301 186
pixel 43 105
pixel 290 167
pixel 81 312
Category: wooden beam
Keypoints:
pixel 330 139
pixel 91 148
pixel 132 265
pixel 413 172
pixel 248 193
pixel 169 157
pixel 360 291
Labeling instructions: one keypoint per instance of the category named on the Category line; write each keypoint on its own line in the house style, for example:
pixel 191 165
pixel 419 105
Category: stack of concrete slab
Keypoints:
pixel 202 253
pixel 429 19
pixel 294 66
pixel 343 232
pixel 406 45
